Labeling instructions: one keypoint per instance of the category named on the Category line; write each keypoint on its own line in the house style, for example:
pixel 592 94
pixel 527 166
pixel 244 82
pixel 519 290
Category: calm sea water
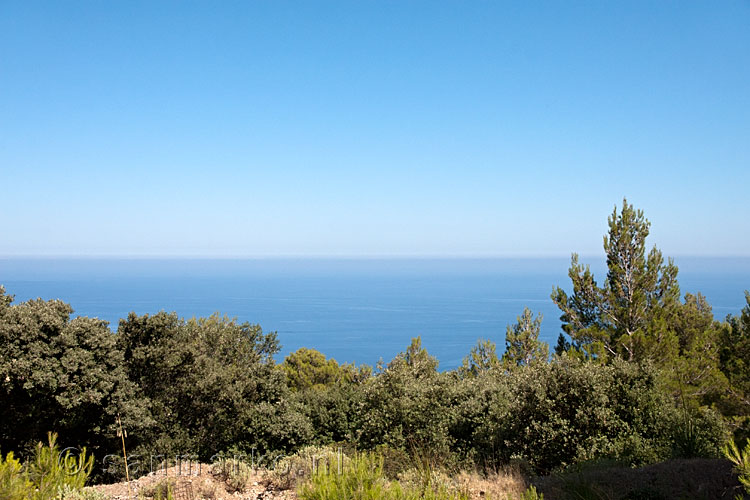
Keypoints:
pixel 352 310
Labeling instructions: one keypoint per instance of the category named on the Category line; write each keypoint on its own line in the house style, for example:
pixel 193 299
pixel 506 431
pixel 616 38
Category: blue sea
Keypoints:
pixel 355 310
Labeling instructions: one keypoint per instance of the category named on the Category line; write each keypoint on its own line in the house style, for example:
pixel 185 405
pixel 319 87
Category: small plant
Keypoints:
pixel 50 474
pixel 531 494
pixel 364 479
pixel 235 473
pixel 163 490
pixel 68 493
pixel 52 470
pixel 14 482
pixel 289 471
pixel 505 482
pixel 741 461
pixel 423 479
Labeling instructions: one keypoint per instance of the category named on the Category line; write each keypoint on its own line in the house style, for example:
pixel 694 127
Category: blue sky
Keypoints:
pixel 381 128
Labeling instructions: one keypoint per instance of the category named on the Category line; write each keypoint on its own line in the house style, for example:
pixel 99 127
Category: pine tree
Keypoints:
pixel 482 358
pixel 522 344
pixel 618 318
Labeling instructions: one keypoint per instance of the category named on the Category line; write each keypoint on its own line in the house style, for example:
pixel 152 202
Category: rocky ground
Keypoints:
pixel 200 481
pixel 696 478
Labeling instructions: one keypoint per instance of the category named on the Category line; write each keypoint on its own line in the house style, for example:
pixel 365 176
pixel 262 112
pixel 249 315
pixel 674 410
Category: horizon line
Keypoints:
pixel 338 256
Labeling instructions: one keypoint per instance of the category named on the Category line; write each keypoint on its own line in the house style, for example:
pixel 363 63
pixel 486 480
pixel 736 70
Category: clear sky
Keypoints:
pixel 380 128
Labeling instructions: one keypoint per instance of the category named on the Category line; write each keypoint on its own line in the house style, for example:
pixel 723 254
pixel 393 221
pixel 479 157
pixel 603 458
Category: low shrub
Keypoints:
pixel 235 473
pixel 363 478
pixel 68 493
pixel 51 473
pixel 163 490
pixel 14 482
pixel 289 471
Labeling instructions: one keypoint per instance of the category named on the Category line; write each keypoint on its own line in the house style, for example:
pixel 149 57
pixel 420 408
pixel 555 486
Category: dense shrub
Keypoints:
pixel 211 384
pixel 570 410
pixel 406 406
pixel 61 374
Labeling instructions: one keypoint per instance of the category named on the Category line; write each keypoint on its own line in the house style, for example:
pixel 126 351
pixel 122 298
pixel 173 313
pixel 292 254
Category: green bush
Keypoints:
pixel 163 490
pixel 211 384
pixel 570 411
pixel 291 470
pixel 51 470
pixel 407 405
pixel 62 373
pixel 235 473
pixel 363 479
pixel 68 493
pixel 50 474
pixel 14 482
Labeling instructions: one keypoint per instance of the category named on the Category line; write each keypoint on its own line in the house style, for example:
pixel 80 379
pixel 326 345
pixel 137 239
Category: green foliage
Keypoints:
pixel 637 315
pixel 522 344
pixel 51 469
pixel 696 432
pixel 694 364
pixel 14 482
pixel 735 364
pixel 741 461
pixel 309 369
pixel 402 406
pixel 61 374
pixel 570 411
pixel 363 479
pixel 531 494
pixel 50 474
pixel 482 358
pixel 300 466
pixel 613 320
pixel 211 383
pixel 68 493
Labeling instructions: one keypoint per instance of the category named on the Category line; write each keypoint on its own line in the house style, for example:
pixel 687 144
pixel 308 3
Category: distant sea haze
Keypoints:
pixel 355 310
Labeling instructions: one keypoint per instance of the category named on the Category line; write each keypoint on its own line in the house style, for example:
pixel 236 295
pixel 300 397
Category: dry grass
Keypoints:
pixel 696 478
pixel 500 485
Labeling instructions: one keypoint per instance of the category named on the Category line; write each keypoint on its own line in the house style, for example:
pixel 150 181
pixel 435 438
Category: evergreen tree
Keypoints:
pixel 617 319
pixel 309 369
pixel 735 364
pixel 522 344
pixel 482 358
pixel 562 345
pixel 693 364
